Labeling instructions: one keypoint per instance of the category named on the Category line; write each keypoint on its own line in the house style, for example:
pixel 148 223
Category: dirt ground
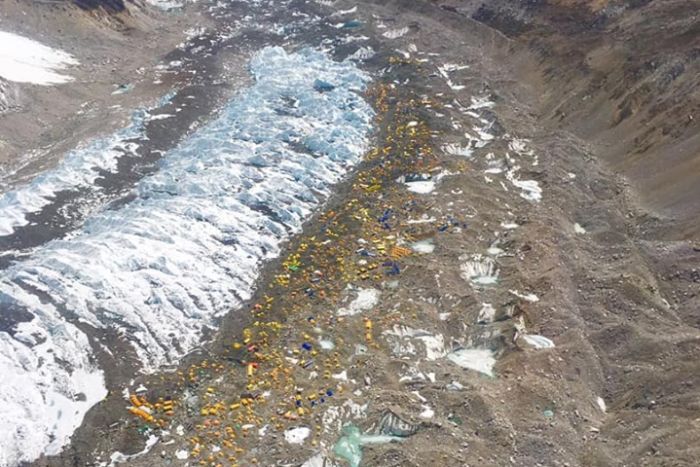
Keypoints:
pixel 485 289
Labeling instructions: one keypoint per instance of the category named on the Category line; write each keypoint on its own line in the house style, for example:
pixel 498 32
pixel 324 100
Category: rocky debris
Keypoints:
pixel 9 96
pixel 606 71
pixel 351 331
pixel 486 328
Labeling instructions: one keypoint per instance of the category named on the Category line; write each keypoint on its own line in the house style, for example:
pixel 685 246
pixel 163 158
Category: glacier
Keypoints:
pixel 80 168
pixel 187 249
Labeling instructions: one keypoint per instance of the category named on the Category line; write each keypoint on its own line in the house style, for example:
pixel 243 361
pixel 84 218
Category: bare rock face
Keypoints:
pixel 111 6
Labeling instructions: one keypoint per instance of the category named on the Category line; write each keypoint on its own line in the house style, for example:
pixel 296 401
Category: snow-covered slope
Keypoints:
pixel 27 61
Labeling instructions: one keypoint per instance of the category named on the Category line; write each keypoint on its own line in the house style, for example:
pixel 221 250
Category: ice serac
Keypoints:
pixel 186 250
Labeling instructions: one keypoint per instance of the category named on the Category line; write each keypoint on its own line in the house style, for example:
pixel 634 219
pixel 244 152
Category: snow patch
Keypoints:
pixel 345 12
pixel 423 183
pixel 365 301
pixel 169 4
pixel 538 342
pixel 444 71
pixel 362 54
pixel 297 435
pixel 49 383
pixel 601 404
pixel 482 102
pixel 528 297
pixel 318 460
pixel 24 60
pixel 423 246
pixel 422 187
pixel 427 412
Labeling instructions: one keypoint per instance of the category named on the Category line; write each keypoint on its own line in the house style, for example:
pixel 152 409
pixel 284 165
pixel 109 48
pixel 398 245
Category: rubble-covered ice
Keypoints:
pixel 529 189
pixel 400 337
pixel 349 446
pixel 479 270
pixel 184 251
pixel 457 150
pixel 362 53
pixel 487 314
pixel 395 33
pixel 481 360
pixel 366 300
